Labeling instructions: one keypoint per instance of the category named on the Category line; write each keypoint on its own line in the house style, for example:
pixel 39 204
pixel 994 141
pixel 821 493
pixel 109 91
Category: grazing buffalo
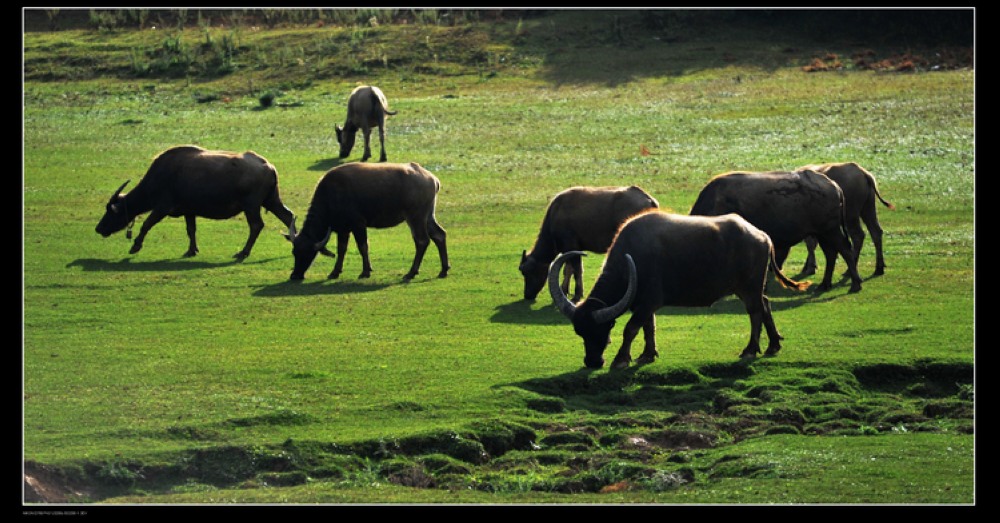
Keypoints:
pixel 366 108
pixel 352 197
pixel 190 181
pixel 788 206
pixel 579 219
pixel 660 259
pixel 860 192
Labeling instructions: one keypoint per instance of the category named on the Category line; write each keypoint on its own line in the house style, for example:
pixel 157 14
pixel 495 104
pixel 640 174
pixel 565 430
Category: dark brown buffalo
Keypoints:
pixel 788 206
pixel 366 108
pixel 579 219
pixel 660 259
pixel 353 197
pixel 193 182
pixel 860 192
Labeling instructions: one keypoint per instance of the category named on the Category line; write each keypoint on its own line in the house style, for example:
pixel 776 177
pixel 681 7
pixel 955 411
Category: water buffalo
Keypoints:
pixel 860 192
pixel 352 197
pixel 579 219
pixel 660 259
pixel 366 108
pixel 193 182
pixel 788 206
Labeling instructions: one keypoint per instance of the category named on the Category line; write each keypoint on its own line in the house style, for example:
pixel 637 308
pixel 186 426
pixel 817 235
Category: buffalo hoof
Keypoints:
pixel 855 287
pixel 365 275
pixel 444 274
pixel 240 256
pixel 135 248
pixel 749 353
pixel 296 277
pixel 645 359
pixel 772 351
pixel 621 363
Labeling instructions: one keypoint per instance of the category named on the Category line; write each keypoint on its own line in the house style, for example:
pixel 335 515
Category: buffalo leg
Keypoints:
pixel 576 265
pixel 755 309
pixel 649 353
pixel 567 276
pixel 624 356
pixel 439 237
pixel 875 229
pixel 154 218
pixel 381 141
pixel 368 149
pixel 773 336
pixel 809 267
pixel 421 239
pixel 256 224
pixel 361 238
pixel 857 235
pixel 192 241
pixel 832 245
pixel 338 267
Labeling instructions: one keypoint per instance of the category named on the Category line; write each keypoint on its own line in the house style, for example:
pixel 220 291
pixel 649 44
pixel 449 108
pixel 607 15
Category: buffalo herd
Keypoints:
pixel 739 229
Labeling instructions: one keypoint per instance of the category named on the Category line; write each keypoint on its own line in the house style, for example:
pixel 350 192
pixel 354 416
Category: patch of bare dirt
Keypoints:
pixel 45 486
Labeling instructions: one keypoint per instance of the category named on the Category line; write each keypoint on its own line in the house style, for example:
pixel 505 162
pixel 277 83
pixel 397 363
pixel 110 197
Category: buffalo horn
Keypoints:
pixel 558 296
pixel 119 191
pixel 321 245
pixel 611 312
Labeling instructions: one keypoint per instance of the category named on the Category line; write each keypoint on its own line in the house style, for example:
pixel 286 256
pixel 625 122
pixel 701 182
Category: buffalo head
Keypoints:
pixel 534 275
pixel 304 251
pixel 116 216
pixel 346 139
pixel 593 319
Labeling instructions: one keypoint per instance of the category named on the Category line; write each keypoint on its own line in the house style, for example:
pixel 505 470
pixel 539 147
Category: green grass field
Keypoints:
pixel 153 378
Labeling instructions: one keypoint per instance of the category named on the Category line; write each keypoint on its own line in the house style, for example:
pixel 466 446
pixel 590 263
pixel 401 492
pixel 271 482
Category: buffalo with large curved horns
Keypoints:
pixel 660 259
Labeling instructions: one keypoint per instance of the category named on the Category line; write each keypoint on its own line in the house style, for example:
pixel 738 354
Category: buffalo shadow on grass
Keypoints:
pixel 521 312
pixel 326 164
pixel 319 287
pixel 615 391
pixel 168 265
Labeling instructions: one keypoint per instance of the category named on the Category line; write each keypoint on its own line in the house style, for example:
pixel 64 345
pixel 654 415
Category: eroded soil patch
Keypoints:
pixel 645 428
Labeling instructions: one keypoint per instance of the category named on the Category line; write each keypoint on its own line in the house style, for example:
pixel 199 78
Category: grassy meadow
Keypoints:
pixel 153 378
